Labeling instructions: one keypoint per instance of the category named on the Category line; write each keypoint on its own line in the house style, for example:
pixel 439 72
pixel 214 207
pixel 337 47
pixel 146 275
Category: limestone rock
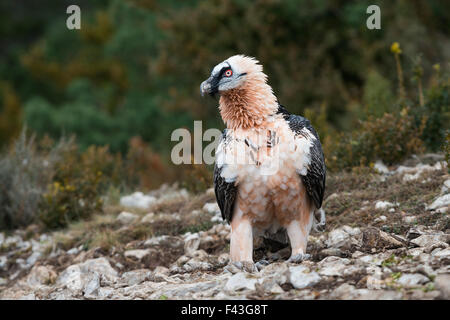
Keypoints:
pixel 412 280
pixel 41 275
pixel 137 254
pixel 137 200
pixel 301 277
pixel 442 283
pixel 127 217
pixel 240 281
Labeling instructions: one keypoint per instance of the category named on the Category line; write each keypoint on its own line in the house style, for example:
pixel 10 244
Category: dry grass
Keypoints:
pixel 357 192
pixel 105 232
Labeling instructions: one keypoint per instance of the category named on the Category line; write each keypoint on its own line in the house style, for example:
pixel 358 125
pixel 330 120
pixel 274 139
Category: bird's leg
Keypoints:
pixel 298 237
pixel 241 243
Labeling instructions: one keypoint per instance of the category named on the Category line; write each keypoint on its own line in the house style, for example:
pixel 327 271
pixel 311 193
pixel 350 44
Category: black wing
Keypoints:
pixel 225 192
pixel 314 180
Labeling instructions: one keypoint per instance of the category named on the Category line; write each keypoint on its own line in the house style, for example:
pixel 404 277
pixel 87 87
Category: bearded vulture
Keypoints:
pixel 269 173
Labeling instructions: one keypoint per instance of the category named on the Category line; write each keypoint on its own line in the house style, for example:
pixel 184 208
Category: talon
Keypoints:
pixel 247 266
pixel 298 258
pixel 261 264
pixel 319 220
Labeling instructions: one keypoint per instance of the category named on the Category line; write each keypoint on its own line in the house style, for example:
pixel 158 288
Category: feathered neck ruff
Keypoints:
pixel 249 105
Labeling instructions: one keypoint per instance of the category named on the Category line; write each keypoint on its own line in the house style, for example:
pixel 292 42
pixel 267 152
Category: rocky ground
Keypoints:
pixel 387 237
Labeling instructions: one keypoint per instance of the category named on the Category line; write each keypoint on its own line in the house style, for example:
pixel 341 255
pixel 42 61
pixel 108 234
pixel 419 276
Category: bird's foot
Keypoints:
pixel 261 264
pixel 298 258
pixel 247 266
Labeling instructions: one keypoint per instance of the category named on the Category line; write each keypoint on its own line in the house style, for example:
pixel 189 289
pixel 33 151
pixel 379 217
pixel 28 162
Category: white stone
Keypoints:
pixel 440 202
pixel 217 218
pixel 211 207
pixel 381 167
pixel 14 241
pixel 77 276
pixel 445 189
pixel 148 218
pixel 383 205
pixel 381 218
pixel 428 240
pixel 375 283
pixel 127 217
pixel 351 231
pixel 301 277
pixel 333 266
pixel 155 240
pixel 337 238
pixel 442 283
pixel 375 272
pixel 33 258
pixel 441 253
pixel 415 252
pixel 3 262
pixel 138 254
pixel 73 251
pixel 191 243
pixel 178 194
pixel 92 285
pixel 410 219
pixel 412 280
pixel 72 278
pixel 41 275
pixel 413 173
pixel 443 209
pixel 137 200
pixel 411 177
pixel 134 277
pixel 194 264
pixel 341 236
pixel 240 281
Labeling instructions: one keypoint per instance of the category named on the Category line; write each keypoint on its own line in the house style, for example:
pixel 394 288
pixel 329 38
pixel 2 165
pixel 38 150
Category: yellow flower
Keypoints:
pixel 404 112
pixel 437 67
pixel 395 48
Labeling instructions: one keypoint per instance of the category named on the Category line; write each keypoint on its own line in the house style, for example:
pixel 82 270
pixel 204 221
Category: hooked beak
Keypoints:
pixel 209 86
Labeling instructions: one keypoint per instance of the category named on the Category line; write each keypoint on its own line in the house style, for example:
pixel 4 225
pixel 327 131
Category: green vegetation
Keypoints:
pixel 131 76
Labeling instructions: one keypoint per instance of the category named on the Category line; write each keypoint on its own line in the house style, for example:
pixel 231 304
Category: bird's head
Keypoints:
pixel 246 100
pixel 233 73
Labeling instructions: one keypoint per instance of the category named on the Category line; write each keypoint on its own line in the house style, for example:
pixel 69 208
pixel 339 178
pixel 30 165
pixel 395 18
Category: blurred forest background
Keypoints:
pixel 89 112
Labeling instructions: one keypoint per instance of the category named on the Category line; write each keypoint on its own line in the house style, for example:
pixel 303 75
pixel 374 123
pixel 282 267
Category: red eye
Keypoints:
pixel 228 73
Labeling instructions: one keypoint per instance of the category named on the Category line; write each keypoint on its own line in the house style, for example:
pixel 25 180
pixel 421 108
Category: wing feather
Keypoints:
pixel 225 191
pixel 315 177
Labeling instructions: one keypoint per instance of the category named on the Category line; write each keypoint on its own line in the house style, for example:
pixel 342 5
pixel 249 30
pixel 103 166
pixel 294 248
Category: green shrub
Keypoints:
pixel 25 172
pixel 10 114
pixel 53 183
pixel 390 138
pixel 377 98
pixel 436 112
pixel 76 189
